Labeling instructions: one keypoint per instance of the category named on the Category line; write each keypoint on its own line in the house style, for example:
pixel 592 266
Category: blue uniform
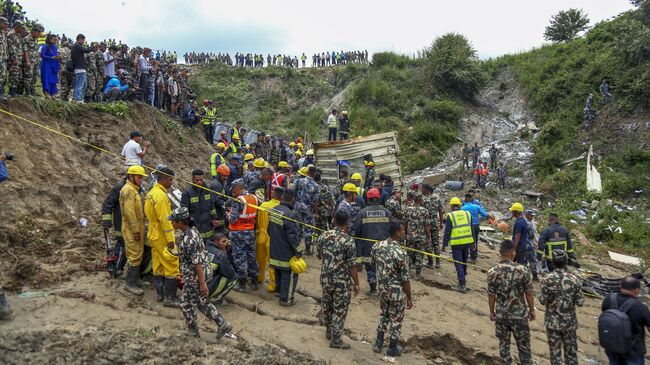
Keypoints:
pixel 477 212
pixel 307 194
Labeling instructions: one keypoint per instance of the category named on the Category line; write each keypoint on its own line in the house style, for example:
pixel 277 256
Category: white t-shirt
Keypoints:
pixel 109 68
pixel 130 151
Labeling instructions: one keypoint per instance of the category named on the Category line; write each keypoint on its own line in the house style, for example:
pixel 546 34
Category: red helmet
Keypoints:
pixel 205 101
pixel 373 194
pixel 223 169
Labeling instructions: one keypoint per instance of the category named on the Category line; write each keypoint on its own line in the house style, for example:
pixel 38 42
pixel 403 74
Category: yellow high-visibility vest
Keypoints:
pixel 461 228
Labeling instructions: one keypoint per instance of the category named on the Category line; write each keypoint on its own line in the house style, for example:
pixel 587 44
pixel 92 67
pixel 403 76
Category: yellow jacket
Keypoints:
pixel 157 208
pixel 262 223
pixel 132 214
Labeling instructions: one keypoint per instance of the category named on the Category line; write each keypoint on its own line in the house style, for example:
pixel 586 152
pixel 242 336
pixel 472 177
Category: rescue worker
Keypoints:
pixel 31 66
pixel 344 126
pixel 3 56
pixel 307 194
pixel 281 176
pixel 338 254
pixel 458 235
pixel 501 176
pixel 224 277
pixel 201 204
pixel 476 153
pixel 260 184
pixel 262 240
pixel 219 185
pixel 511 303
pixel 392 266
pixel 342 180
pixel 326 203
pixel 285 244
pixel 217 158
pixel 561 292
pixel 494 153
pixel 235 169
pixel 157 208
pixel 208 114
pixel 195 265
pixel 394 204
pixel 520 233
pixel 434 207
pixel 309 158
pixel 370 225
pixel 370 175
pixel 242 213
pixel 349 197
pixel 332 126
pixel 15 58
pixel 477 212
pixel 356 180
pixel 235 132
pixel 418 232
pixel 112 217
pixel 466 151
pixel 554 237
pixel 531 247
pixel 249 168
pixel 133 226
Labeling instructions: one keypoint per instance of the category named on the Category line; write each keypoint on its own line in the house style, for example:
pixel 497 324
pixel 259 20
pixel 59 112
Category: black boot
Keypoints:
pixel 394 349
pixel 535 277
pixel 193 330
pixel 170 285
pixel 418 274
pixel 254 283
pixel 12 92
pixel 437 262
pixel 373 290
pixel 429 262
pixel 5 308
pixel 241 286
pixel 224 326
pixel 132 276
pixel 328 332
pixel 337 343
pixel 379 342
pixel 461 286
pixel 158 283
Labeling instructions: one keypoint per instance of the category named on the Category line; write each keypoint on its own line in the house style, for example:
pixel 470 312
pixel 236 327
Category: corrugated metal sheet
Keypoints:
pixel 383 147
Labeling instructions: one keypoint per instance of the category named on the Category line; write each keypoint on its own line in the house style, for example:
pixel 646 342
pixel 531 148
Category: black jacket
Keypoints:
pixel 256 184
pixel 111 209
pixel 639 316
pixel 77 55
pixel 221 266
pixel 284 236
pixel 201 204
pixel 371 222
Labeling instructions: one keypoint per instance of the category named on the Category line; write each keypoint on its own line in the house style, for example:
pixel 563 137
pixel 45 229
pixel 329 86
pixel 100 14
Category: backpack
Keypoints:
pixel 615 327
pixel 69 66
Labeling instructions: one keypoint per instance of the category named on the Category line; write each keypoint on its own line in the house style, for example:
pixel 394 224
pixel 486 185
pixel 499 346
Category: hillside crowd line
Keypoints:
pixel 323 59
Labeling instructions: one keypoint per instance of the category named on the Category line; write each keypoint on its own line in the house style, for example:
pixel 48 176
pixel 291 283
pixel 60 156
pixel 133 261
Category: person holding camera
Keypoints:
pixel 4 173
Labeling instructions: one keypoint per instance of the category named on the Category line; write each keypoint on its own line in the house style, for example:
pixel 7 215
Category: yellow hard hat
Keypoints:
pixel 136 170
pixel 248 157
pixel 371 163
pixel 298 265
pixel 235 137
pixel 300 145
pixel 517 207
pixel 455 201
pixel 350 188
pixel 292 144
pixel 356 176
pixel 259 163
pixel 267 165
pixel 299 153
pixel 303 171
pixel 283 164
pixel 221 145
pixel 248 146
pixel 345 112
pixel 309 152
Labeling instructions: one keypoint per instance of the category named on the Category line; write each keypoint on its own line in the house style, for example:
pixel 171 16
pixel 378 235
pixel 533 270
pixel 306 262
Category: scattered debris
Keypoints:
pixel 580 214
pixel 33 294
pixel 624 258
pixel 454 185
pixel 72 293
pixel 435 180
pixel 566 162
pixel 83 222
pixel 532 194
pixel 615 229
pixel 593 176
pixel 581 237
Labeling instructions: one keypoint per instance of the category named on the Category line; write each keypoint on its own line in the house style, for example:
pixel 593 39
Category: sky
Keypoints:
pixel 291 27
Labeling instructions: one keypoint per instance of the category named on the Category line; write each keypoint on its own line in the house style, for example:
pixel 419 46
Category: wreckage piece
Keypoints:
pixel 624 258
pixel 566 162
pixel 593 176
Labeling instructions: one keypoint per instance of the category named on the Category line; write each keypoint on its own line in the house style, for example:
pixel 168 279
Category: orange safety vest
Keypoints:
pixel 278 180
pixel 246 220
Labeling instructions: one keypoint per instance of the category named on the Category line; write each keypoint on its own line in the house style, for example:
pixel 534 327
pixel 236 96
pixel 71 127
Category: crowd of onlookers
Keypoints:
pixel 322 59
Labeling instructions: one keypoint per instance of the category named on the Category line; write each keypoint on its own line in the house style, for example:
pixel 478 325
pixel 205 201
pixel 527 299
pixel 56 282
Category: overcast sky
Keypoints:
pixel 494 27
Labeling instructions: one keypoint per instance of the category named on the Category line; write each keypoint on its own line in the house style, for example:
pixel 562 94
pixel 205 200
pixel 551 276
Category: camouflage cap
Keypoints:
pixel 19 24
pixel 38 28
pixel 397 190
pixel 416 195
pixel 3 20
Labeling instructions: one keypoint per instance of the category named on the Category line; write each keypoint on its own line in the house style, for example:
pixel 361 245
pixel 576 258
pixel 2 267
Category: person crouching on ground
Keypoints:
pixel 194 262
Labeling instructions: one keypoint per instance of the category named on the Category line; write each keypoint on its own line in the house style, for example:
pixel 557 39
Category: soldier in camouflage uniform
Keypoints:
pixel 3 56
pixel 194 261
pixel 15 57
pixel 241 227
pixel 307 195
pixel 99 74
pixel 511 301
pixel 391 262
pixel 91 73
pixel 65 77
pixel 31 67
pixel 394 203
pixel 418 232
pixel 561 292
pixel 434 207
pixel 184 93
pixel 326 203
pixel 338 253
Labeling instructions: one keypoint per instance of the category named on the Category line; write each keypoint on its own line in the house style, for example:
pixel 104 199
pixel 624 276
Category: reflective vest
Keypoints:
pixel 246 220
pixel 278 180
pixel 332 121
pixel 360 191
pixel 41 40
pixel 555 245
pixel 214 164
pixel 461 228
pixel 210 113
pixel 235 133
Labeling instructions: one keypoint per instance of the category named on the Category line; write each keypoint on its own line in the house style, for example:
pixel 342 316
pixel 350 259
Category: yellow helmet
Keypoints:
pixel 309 152
pixel 303 171
pixel 248 157
pixel 300 145
pixel 356 176
pixel 517 207
pixel 267 165
pixel 221 145
pixel 371 163
pixel 455 201
pixel 292 144
pixel 283 164
pixel 350 188
pixel 259 163
pixel 345 112
pixel 136 170
pixel 299 153
pixel 298 265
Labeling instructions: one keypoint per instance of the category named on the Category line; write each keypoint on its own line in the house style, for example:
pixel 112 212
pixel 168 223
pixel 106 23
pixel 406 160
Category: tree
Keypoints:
pixel 453 66
pixel 566 25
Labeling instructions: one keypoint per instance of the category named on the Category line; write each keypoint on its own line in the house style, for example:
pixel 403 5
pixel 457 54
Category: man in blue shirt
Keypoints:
pixel 114 89
pixel 4 173
pixel 520 233
pixel 477 212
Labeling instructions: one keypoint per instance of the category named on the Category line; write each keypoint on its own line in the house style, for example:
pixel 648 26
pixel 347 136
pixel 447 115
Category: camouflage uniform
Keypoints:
pixel 392 266
pixel 3 60
pixel 65 77
pixel 509 282
pixel 15 61
pixel 91 73
pixel 99 74
pixel 32 71
pixel 561 292
pixel 243 245
pixel 339 186
pixel 338 253
pixel 326 204
pixel 370 178
pixel 191 251
pixel 307 193
pixel 395 207
pixel 416 218
pixel 346 207
pixel 433 206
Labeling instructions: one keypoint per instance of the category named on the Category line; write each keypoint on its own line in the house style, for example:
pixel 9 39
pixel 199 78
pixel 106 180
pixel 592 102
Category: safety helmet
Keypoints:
pixel 267 165
pixel 179 214
pixel 345 112
pixel 136 170
pixel 205 101
pixel 248 157
pixel 373 194
pixel 350 188
pixel 300 145
pixel 223 133
pixel 356 176
pixel 221 145
pixel 223 169
pixel 517 207
pixel 259 163
pixel 455 201
pixel 283 164
pixel 299 153
pixel 371 163
pixel 298 265
pixel 235 137
pixel 292 144
pixel 303 171
pixel 309 152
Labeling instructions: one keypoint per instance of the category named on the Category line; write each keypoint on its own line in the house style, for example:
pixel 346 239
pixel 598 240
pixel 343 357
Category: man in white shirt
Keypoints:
pixel 132 151
pixel 109 60
pixel 144 66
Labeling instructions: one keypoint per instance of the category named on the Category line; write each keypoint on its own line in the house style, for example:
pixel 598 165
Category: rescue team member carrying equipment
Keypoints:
pixel 458 234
